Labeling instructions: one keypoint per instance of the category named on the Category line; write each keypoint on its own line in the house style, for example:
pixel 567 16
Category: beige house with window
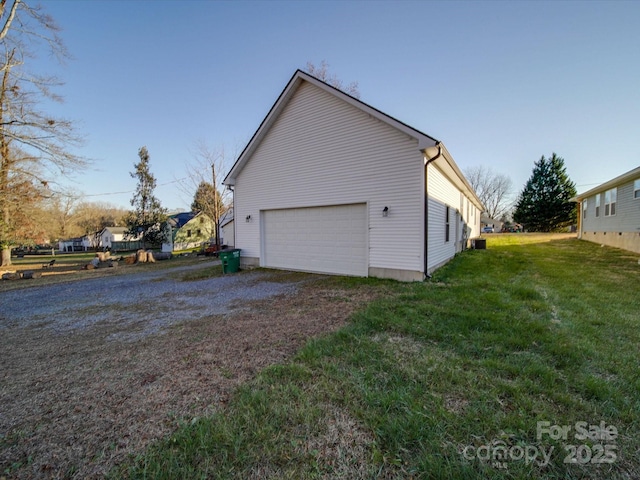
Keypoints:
pixel 610 213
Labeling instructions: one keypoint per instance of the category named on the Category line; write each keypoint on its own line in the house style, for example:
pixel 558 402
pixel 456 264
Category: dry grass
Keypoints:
pixel 69 269
pixel 75 405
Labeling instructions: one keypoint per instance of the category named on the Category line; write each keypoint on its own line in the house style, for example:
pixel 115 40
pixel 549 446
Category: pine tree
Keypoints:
pixel 544 205
pixel 148 215
pixel 206 199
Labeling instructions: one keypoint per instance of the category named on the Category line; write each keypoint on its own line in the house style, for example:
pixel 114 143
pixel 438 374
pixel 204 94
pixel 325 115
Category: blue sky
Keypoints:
pixel 500 83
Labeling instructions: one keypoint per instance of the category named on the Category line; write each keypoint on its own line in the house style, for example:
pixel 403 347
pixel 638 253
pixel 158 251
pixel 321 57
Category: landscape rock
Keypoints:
pixel 29 274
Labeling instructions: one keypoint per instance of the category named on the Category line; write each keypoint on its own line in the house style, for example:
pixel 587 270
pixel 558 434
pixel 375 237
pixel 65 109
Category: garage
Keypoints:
pixel 331 239
pixel 330 184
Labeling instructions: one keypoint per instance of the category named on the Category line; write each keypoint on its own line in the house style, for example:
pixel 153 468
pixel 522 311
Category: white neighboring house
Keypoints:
pixel 110 235
pixel 610 213
pixel 227 229
pixel 78 244
pixel 329 184
pixel 491 222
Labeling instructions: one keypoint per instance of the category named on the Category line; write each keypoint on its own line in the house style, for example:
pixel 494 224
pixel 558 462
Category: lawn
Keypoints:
pixel 519 361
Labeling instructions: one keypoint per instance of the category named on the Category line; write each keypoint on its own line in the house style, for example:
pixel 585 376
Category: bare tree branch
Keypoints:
pixel 9 20
pixel 322 73
pixel 493 190
pixel 203 183
pixel 35 148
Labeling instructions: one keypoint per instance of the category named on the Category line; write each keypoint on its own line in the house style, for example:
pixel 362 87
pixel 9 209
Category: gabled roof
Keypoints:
pixel 75 239
pixel 179 220
pixel 625 177
pixel 116 230
pixel 424 140
pixel 450 168
pixel 444 160
pixel 227 217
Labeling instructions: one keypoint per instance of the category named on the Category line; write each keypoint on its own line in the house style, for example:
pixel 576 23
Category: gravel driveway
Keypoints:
pixel 95 370
pixel 150 301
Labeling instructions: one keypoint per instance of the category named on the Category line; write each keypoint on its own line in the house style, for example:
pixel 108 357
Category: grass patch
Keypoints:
pixel 202 273
pixel 436 376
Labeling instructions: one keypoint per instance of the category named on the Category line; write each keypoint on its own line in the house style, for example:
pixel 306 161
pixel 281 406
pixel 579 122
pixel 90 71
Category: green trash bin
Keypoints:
pixel 230 260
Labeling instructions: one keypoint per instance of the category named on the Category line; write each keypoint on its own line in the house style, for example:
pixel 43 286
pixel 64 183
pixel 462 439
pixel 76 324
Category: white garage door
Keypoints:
pixel 319 239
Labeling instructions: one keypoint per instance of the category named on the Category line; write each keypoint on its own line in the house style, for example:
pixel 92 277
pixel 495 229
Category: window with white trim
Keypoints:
pixel 446 224
pixel 584 208
pixel 598 205
pixel 636 189
pixel 610 198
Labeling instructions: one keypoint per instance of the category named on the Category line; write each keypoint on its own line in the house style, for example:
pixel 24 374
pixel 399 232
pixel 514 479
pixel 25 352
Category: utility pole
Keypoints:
pixel 216 212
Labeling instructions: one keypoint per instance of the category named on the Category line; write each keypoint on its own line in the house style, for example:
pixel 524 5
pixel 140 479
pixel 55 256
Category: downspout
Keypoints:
pixel 233 200
pixel 580 215
pixel 426 204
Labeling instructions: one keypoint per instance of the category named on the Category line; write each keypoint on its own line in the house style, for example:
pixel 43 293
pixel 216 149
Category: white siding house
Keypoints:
pixel 610 213
pixel 330 184
pixel 110 235
pixel 78 244
pixel 227 229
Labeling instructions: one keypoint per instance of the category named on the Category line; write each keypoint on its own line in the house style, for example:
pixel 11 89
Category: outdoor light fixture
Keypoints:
pixel 248 219
pixel 385 211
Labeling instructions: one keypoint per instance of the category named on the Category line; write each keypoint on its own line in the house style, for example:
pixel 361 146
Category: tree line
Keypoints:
pixel 36 148
pixel 63 216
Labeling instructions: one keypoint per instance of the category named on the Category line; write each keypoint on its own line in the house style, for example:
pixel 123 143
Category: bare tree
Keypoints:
pixel 34 146
pixel 493 190
pixel 322 73
pixel 21 203
pixel 203 183
pixel 60 212
pixel 91 218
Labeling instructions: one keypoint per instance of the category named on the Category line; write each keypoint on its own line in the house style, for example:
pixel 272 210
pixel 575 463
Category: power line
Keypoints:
pixel 123 192
pixel 588 184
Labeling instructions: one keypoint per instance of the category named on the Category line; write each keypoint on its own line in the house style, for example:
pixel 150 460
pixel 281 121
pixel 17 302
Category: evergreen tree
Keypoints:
pixel 544 205
pixel 148 215
pixel 207 199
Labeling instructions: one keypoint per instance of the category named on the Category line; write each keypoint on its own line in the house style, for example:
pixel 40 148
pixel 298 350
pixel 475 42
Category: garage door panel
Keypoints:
pixel 320 239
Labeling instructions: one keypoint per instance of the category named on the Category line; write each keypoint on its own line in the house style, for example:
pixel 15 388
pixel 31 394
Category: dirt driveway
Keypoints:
pixel 94 370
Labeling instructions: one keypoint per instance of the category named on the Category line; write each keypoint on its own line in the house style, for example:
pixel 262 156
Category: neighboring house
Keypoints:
pixel 110 235
pixel 610 213
pixel 77 244
pixel 187 230
pixel 115 239
pixel 329 184
pixel 491 222
pixel 227 229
